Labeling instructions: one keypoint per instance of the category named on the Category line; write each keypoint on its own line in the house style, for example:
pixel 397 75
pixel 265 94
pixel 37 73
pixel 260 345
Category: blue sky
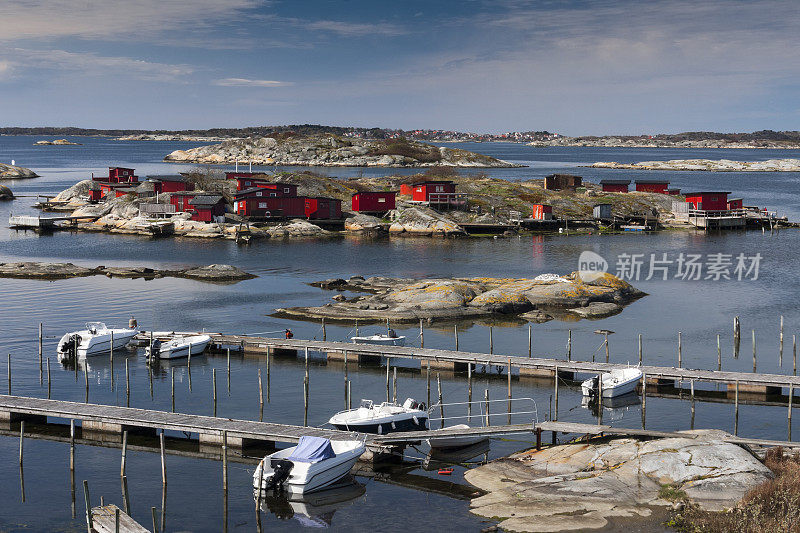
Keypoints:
pixel 569 67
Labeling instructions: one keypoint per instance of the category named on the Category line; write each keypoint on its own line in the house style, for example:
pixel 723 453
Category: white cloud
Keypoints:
pixel 352 29
pixel 244 82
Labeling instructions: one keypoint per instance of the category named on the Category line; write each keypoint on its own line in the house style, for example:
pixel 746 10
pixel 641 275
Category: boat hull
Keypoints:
pixel 380 340
pixel 618 389
pixel 309 478
pixel 389 426
pixel 183 351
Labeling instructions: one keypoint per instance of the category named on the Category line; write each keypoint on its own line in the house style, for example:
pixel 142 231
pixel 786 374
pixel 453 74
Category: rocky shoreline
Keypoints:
pixel 12 172
pixel 648 142
pixel 582 486
pixel 57 142
pixel 409 300
pixel 333 151
pixel 708 165
pixel 53 271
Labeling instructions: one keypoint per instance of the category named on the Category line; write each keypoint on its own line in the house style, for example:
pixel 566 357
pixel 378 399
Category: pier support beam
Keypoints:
pixel 754 389
pixel 660 382
pixel 215 440
pixel 339 356
pixel 443 365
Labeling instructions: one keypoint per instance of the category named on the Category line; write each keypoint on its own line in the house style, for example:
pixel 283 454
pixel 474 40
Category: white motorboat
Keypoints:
pixel 94 340
pixel 313 464
pixel 389 339
pixel 615 383
pixel 384 418
pixel 178 347
pixel 460 441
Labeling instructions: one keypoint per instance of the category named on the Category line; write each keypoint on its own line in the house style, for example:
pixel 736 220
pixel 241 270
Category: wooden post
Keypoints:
pixel 530 340
pixel 150 378
pixel 469 392
pixel 269 352
pixel 394 385
pixel 486 400
pixel 21 439
pixel 349 397
pixel 680 351
pixel 644 398
pixel 691 393
pixel 428 379
pixel 307 382
pixel 491 339
pixel 72 445
pixel 324 334
pixel 555 392
pixel 439 391
pixel 346 380
pixel 214 389
pixel 421 335
pixel 600 399
pixel 48 378
pixel 172 387
pixel 538 439
pixel 163 458
pixel 569 345
pixel 736 409
pixel 640 349
pixel 737 335
pixel 9 372
pixel 509 390
pixel 260 391
pixel 229 371
pixel 388 371
pixel 40 353
pixel 780 350
pixel 87 500
pixel 754 350
pixel 127 384
pixel 719 354
pixel 605 342
pixel 85 378
pixel 124 453
pixel 126 495
pixel 111 358
pixel 155 522
pixel 455 334
pixel 116 520
pixel 794 355
pixel 789 414
pixel 225 461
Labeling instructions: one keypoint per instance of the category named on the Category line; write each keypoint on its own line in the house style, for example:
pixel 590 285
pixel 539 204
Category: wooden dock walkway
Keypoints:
pixel 488 431
pixel 749 382
pixel 104 520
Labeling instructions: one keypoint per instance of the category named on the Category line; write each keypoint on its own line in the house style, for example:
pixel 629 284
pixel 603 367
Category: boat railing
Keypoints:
pixel 483 411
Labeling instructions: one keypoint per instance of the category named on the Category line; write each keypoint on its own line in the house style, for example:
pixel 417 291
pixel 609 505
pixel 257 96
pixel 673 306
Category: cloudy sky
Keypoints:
pixel 575 67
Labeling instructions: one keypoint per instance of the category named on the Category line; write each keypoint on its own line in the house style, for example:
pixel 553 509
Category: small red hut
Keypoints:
pixel 323 208
pixel 181 201
pixel 657 186
pixel 542 212
pixel 373 201
pixel 422 191
pixel 735 203
pixel 615 185
pixel 170 184
pixel 708 201
pixel 208 208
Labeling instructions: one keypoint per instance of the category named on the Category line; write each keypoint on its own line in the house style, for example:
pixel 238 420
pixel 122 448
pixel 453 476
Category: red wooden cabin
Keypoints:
pixel 107 188
pixel 708 201
pixel 118 175
pixel 170 184
pixel 95 192
pixel 181 201
pixel 323 208
pixel 657 186
pixel 615 185
pixel 122 191
pixel 735 203
pixel 422 191
pixel 542 212
pixel 407 189
pixel 268 207
pixel 373 201
pixel 208 207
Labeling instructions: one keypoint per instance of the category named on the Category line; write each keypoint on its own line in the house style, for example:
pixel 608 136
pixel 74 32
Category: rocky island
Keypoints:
pixel 581 486
pixel 708 165
pixel 330 150
pixel 765 139
pixel 5 193
pixel 53 271
pixel 57 142
pixel 12 172
pixel 409 300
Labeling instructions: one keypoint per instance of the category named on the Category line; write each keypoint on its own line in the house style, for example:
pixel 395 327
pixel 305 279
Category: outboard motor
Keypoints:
pixel 595 387
pixel 69 347
pixel 282 469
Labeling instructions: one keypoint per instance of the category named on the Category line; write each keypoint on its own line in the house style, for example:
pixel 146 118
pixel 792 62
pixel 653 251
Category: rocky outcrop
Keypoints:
pixel 5 193
pixel 57 142
pixel 52 271
pixel 331 151
pixel 408 300
pixel 580 486
pixel 651 142
pixel 77 195
pixel 11 172
pixel 172 137
pixel 709 165
pixel 422 221
pixel 361 223
pixel 297 228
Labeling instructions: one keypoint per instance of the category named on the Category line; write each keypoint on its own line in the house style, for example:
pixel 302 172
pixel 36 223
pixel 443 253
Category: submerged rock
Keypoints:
pixel 579 486
pixel 8 172
pixel 35 270
pixel 56 142
pixel 5 193
pixel 216 273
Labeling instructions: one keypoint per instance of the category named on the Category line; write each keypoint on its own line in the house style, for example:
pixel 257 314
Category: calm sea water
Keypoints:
pixel 699 309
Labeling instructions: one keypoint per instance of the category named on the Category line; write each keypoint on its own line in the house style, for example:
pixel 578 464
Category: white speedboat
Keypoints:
pixel 313 464
pixel 94 340
pixel 615 383
pixel 460 441
pixel 384 418
pixel 178 347
pixel 383 340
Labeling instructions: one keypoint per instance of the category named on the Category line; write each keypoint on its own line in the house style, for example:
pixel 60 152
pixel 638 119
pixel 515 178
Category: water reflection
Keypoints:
pixel 315 509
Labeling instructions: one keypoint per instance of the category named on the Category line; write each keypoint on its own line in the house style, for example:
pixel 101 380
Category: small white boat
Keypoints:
pixel 94 340
pixel 178 347
pixel 382 340
pixel 313 464
pixel 384 418
pixel 457 441
pixel 615 383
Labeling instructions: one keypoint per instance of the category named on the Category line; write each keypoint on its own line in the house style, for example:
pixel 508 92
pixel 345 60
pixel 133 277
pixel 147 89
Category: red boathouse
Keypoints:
pixel 708 201
pixel 615 185
pixel 118 175
pixel 373 201
pixel 181 201
pixel 542 212
pixel 422 191
pixel 323 208
pixel 657 186
pixel 170 184
pixel 208 208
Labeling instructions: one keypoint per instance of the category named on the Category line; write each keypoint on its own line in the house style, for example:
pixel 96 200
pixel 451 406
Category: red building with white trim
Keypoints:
pixel 422 191
pixel 170 184
pixel 208 207
pixel 373 201
pixel 708 201
pixel 118 175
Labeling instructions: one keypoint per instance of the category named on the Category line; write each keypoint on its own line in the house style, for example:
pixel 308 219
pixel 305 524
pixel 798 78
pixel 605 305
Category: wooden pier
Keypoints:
pixel 39 223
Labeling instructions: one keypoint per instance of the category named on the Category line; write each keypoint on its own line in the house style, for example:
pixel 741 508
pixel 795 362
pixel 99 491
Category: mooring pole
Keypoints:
pixel 780 350
pixel 388 371
pixel 569 345
pixel 229 371
pixel 644 397
pixel 428 379
pixel 640 349
pixel 736 409
pixel 225 460
pixel 555 392
pixel 455 334
pixel 754 350
pixel 530 340
pixel 324 334
pixel 719 354
pixel 486 400
pixel 469 391
pixel 789 413
pixel 40 353
pixel 421 335
pixel 48 378
pixel 441 405
pixel 111 358
pixel 127 383
pixel 21 439
pixel 491 339
pixel 172 387
pixel 89 523
pixel 124 453
pixel 680 351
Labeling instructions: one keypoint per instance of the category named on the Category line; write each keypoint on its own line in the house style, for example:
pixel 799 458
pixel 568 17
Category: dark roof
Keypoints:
pixel 434 182
pixel 247 192
pixel 373 192
pixel 563 176
pixel 210 199
pixel 600 205
pixel 168 177
pixel 125 189
pixel 653 181
pixel 706 192
pixel 121 168
pixel 146 186
pixel 615 182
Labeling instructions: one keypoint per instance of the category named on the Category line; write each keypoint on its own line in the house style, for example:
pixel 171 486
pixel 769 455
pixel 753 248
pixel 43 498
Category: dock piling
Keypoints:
pixel 124 453
pixel 469 392
pixel 127 382
pixel 737 335
pixel 8 364
pixel 155 522
pixel 794 355
pixel 640 349
pixel 719 354
pixel 691 387
pixel 111 358
pixel 394 385
pixel 229 371
pixel 441 405
pixel 126 498
pixel 388 370
pixel 530 340
pixel 324 333
pixel 421 335
pixel 306 387
pixel 40 353
pixel 428 379
pixel 85 379
pixel 486 401
pixel 48 379
pixel 87 500
pixel 346 380
pixel 754 350
pixel 21 439
pixel 569 345
pixel 225 461
pixel 644 398
pixel 555 393
pixel 680 351
pixel 163 458
pixel 780 349
pixel 605 341
pixel 491 339
pixel 172 387
pixel 736 408
pixel 214 389
pixel 789 412
pixel 509 390
pixel 455 334
pixel 72 445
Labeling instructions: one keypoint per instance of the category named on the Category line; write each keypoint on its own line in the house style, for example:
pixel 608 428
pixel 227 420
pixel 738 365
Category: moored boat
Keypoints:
pixel 615 383
pixel 315 463
pixel 94 340
pixel 389 339
pixel 178 347
pixel 384 418
pixel 459 441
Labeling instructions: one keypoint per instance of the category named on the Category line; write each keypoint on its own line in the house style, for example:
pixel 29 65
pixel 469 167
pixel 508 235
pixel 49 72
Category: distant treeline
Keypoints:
pixel 763 135
pixel 212 132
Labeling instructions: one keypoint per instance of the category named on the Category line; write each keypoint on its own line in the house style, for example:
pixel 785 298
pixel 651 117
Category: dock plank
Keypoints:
pixel 104 521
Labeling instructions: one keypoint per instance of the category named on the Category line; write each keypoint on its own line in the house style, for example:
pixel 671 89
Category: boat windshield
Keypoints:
pixel 94 327
pixel 366 404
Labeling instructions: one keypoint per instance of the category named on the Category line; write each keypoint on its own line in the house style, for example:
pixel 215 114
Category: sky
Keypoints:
pixel 572 67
